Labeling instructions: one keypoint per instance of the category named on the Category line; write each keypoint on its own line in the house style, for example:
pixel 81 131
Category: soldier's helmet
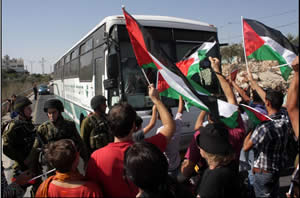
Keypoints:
pixel 55 104
pixel 97 101
pixel 21 102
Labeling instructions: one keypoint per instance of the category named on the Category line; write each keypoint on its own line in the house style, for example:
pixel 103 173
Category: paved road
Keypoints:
pixel 39 116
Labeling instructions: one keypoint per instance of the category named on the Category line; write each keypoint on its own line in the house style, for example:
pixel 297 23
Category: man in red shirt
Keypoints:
pixel 106 164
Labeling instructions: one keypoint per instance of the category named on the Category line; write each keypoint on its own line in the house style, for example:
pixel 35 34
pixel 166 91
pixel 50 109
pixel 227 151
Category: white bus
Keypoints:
pixel 103 62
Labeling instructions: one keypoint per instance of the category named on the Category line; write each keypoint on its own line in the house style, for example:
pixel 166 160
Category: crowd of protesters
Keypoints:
pixel 124 163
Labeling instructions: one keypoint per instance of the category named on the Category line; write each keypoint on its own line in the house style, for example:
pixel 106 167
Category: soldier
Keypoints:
pixel 94 128
pixel 54 129
pixel 19 135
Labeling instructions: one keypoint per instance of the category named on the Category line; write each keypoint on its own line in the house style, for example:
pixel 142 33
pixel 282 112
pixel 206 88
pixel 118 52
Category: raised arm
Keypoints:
pixel 180 105
pixel 200 120
pixel 152 121
pixel 292 98
pixel 215 64
pixel 256 87
pixel 242 93
pixel 166 119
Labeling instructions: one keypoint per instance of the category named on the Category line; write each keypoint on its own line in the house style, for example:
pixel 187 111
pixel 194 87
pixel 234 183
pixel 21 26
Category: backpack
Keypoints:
pixel 100 136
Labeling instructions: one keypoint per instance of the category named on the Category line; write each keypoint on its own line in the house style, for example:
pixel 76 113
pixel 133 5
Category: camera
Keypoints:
pixel 205 63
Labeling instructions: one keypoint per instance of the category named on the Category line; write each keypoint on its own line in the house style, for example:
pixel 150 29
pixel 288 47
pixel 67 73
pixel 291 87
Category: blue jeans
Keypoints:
pixel 266 184
pixel 247 158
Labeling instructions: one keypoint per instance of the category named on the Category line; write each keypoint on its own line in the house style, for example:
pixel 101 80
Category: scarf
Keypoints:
pixel 70 176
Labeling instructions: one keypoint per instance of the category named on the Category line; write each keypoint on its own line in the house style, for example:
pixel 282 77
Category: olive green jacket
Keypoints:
pixel 48 132
pixel 95 132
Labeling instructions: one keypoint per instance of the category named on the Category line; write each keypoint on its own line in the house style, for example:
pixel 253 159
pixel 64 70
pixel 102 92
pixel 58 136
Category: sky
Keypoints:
pixel 46 29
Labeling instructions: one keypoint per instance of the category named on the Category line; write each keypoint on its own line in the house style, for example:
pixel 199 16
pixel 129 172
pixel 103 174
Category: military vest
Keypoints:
pixel 100 136
pixel 65 130
pixel 25 133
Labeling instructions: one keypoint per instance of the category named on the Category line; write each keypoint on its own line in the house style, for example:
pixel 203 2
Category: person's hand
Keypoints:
pixel 24 177
pixel 229 80
pixel 153 93
pixel 215 64
pixel 295 64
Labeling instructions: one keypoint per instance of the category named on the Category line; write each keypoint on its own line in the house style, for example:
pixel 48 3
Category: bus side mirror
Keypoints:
pixel 110 83
pixel 113 66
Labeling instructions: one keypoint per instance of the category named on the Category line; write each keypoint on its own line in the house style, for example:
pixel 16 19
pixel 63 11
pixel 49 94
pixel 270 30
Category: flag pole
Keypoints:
pixel 145 76
pixel 244 45
pixel 41 175
pixel 280 65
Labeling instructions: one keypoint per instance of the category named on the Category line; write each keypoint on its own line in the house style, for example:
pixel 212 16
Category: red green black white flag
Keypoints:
pixel 265 43
pixel 148 52
pixel 254 116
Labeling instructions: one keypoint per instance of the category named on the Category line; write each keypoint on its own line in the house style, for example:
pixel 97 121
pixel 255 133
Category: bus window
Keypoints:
pixel 82 49
pixel 86 67
pixel 74 68
pixel 89 45
pixel 75 54
pixel 99 36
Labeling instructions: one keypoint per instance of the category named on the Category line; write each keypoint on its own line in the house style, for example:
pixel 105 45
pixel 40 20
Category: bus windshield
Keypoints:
pixel 175 43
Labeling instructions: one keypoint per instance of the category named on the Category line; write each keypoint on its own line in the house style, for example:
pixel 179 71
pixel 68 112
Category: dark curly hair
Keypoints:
pixel 61 154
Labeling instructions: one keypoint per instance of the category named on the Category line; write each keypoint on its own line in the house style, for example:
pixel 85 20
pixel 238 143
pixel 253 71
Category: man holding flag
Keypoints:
pixel 268 141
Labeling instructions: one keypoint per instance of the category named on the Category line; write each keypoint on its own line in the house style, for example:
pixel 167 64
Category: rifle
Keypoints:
pixel 42 160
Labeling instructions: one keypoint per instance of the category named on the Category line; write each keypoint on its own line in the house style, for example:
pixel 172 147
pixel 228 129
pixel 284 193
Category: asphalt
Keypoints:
pixel 39 117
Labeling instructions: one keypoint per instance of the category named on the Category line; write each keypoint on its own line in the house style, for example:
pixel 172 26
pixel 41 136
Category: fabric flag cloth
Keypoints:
pixel 265 43
pixel 189 66
pixel 254 116
pixel 233 74
pixel 195 62
pixel 148 52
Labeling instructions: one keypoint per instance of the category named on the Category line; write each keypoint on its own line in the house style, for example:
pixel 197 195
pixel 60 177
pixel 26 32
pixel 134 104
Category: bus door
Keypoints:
pixel 99 75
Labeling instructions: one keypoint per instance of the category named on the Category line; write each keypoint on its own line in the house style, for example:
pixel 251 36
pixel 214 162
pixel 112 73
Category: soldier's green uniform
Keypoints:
pixel 53 131
pixel 64 129
pixel 95 132
pixel 18 139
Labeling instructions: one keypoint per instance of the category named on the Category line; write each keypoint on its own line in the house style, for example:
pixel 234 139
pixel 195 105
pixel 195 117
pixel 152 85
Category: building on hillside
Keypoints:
pixel 13 64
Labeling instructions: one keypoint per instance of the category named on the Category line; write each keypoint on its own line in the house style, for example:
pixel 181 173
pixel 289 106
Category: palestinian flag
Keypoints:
pixel 255 117
pixel 197 59
pixel 148 52
pixel 165 90
pixel 189 66
pixel 265 43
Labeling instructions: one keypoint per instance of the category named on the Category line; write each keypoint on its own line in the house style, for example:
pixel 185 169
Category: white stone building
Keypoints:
pixel 15 64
